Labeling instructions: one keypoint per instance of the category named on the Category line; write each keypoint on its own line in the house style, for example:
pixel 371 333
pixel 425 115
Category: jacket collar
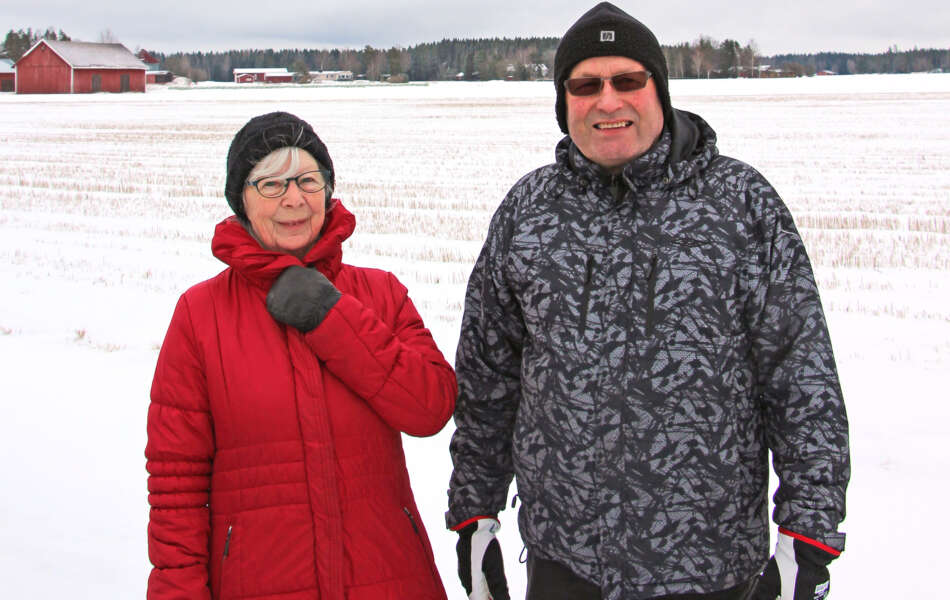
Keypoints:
pixel 686 145
pixel 234 246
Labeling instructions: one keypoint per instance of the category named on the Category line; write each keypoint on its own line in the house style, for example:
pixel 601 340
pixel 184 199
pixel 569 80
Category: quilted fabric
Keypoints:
pixel 275 458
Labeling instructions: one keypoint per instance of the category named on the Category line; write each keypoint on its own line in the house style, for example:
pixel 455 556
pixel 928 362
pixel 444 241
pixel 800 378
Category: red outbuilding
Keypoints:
pixel 7 75
pixel 268 75
pixel 57 67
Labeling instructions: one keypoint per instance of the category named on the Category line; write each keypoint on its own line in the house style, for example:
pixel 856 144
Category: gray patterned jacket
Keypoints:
pixel 631 349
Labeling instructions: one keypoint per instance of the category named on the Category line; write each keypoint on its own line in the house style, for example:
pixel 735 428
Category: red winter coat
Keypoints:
pixel 275 457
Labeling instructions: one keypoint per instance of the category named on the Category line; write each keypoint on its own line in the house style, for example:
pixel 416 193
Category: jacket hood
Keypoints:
pixel 684 147
pixel 233 245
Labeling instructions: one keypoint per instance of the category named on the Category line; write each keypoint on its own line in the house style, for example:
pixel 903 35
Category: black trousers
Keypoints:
pixel 549 580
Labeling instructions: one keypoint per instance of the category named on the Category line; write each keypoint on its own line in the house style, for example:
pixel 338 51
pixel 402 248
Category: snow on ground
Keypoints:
pixel 109 201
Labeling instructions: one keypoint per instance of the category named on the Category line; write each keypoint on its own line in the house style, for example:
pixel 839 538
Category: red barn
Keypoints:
pixel 150 60
pixel 268 75
pixel 57 67
pixel 7 75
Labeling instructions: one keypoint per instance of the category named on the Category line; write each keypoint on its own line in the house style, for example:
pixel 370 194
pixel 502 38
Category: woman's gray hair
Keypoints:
pixel 272 165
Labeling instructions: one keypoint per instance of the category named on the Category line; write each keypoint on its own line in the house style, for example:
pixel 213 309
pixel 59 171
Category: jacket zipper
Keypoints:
pixel 651 295
pixel 585 296
pixel 616 190
pixel 224 558
pixel 227 540
pixel 422 546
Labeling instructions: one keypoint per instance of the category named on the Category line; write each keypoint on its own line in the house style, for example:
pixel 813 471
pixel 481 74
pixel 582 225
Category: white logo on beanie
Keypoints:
pixel 606 36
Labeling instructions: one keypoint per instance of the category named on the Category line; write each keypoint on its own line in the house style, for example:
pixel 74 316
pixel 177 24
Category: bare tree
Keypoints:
pixel 107 37
pixel 749 54
pixel 301 71
pixel 702 53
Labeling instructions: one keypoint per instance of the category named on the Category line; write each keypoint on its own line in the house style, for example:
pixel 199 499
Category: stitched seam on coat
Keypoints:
pixel 243 488
pixel 260 466
pixel 181 408
pixel 255 509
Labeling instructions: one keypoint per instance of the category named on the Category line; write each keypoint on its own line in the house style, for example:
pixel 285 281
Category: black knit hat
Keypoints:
pixel 605 30
pixel 259 137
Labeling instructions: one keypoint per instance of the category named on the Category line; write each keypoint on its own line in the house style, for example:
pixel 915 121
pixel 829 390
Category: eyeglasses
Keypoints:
pixel 622 82
pixel 310 182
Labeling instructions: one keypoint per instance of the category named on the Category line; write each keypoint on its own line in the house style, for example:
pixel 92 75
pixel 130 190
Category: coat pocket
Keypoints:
pixel 692 291
pixel 424 547
pixel 224 567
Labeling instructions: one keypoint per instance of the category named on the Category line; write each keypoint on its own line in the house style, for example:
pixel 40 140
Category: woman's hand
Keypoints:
pixel 301 297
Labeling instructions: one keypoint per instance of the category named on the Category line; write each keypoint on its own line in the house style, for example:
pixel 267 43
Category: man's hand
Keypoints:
pixel 301 297
pixel 481 569
pixel 797 571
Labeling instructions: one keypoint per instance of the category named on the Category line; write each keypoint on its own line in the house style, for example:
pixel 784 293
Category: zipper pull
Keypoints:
pixel 227 540
pixel 412 521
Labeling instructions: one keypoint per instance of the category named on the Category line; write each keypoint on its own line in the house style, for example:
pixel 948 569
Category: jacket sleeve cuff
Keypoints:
pixel 468 522
pixel 802 538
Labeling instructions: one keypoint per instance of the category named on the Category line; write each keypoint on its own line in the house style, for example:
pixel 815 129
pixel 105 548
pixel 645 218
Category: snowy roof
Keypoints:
pixel 6 65
pixel 91 55
pixel 272 71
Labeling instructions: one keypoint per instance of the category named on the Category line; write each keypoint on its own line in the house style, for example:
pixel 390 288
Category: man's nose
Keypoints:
pixel 609 99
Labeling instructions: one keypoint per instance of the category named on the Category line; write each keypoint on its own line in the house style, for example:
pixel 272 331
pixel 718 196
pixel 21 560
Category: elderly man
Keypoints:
pixel 641 328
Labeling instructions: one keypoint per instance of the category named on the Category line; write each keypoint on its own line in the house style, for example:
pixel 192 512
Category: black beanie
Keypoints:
pixel 259 137
pixel 605 30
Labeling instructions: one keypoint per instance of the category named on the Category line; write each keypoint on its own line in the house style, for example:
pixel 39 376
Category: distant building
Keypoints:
pixel 159 76
pixel 154 72
pixel 268 75
pixel 152 63
pixel 59 67
pixel 7 75
pixel 331 75
pixel 824 72
pixel 765 71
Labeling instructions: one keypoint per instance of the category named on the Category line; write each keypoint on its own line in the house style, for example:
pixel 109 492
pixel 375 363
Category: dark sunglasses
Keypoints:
pixel 622 82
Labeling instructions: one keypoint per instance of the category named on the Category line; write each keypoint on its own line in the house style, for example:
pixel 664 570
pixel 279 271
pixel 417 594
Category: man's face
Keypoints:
pixel 611 128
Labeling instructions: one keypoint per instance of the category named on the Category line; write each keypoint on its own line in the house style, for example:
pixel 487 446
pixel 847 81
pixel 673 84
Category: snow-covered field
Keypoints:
pixel 109 201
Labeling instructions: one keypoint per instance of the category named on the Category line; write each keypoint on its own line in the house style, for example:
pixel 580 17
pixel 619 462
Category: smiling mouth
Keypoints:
pixel 613 125
pixel 294 223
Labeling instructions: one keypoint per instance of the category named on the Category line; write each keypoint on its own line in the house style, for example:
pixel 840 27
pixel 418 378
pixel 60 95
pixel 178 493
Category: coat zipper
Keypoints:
pixel 585 295
pixel 425 555
pixel 651 295
pixel 224 558
pixel 227 541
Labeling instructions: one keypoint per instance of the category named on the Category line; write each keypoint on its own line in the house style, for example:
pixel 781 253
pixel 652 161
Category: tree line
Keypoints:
pixel 508 58
pixel 533 58
pixel 16 43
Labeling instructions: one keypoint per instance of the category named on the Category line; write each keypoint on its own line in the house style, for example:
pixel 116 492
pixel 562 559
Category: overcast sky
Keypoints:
pixel 188 25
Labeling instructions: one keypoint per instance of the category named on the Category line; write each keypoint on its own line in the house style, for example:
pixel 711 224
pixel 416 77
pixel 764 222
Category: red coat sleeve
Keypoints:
pixel 397 369
pixel 179 453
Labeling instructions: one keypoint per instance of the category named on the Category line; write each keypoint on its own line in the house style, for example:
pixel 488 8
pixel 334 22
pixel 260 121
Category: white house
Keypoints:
pixel 331 75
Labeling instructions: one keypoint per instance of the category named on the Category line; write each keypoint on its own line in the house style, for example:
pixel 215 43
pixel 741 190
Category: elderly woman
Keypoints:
pixel 283 384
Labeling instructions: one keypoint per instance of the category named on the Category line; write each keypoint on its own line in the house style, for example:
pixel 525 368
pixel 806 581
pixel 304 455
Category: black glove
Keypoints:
pixel 797 571
pixel 301 297
pixel 480 565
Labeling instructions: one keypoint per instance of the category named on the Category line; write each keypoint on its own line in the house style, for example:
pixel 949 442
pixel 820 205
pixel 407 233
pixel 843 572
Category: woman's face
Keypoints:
pixel 290 222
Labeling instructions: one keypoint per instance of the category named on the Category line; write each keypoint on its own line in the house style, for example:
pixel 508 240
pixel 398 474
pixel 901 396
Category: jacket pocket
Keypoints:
pixel 424 547
pixel 585 292
pixel 228 568
pixel 651 296
pixel 692 291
